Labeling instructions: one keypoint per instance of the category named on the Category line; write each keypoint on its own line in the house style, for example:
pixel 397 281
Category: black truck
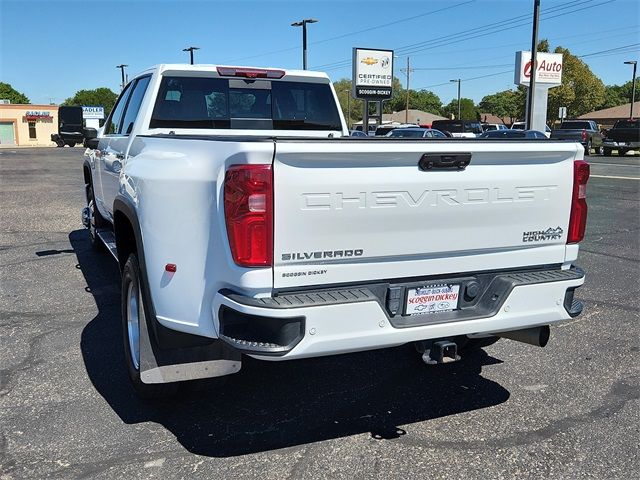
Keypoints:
pixel 70 127
pixel 585 132
pixel 623 137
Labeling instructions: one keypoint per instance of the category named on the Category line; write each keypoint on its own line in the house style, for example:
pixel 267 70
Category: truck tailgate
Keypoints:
pixel 356 211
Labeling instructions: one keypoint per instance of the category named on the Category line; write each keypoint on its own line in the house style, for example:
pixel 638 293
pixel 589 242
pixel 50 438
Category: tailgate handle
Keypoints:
pixel 444 161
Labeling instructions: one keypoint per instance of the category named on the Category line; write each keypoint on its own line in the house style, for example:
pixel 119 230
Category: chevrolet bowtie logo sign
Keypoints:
pixel 369 61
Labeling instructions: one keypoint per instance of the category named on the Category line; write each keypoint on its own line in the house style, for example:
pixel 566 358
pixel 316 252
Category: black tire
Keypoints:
pixel 606 152
pixel 587 149
pixel 599 150
pixel 72 144
pixel 621 152
pixel 131 288
pixel 97 221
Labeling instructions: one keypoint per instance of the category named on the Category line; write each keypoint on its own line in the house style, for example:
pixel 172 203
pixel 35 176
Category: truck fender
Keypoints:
pixel 165 354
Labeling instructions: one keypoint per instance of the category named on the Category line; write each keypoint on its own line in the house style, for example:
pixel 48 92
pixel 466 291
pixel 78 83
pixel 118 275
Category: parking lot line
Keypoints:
pixel 614 164
pixel 614 177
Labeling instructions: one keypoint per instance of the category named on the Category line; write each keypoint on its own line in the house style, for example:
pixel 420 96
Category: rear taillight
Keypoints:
pixel 584 135
pixel 248 212
pixel 578 218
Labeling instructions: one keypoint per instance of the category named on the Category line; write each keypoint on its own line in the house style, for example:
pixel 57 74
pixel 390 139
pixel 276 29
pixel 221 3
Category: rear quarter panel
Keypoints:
pixel 176 186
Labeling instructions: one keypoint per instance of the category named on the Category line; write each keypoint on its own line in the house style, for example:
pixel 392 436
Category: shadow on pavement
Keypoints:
pixel 272 405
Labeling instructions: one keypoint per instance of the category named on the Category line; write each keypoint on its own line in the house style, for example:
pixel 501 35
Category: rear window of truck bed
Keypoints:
pixel 221 103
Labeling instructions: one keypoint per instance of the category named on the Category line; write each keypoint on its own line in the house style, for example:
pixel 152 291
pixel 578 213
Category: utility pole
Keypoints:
pixel 459 81
pixel 122 67
pixel 534 62
pixel 190 50
pixel 303 24
pixel 408 71
pixel 633 85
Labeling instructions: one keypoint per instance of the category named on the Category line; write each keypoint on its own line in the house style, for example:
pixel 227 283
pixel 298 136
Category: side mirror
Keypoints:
pixel 89 133
pixel 92 143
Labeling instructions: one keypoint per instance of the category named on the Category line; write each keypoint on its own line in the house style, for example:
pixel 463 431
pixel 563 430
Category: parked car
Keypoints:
pixel 459 128
pixel 623 137
pixel 415 132
pixel 244 224
pixel 493 126
pixel 585 132
pixel 372 129
pixel 384 129
pixel 531 134
pixel 523 126
pixel 357 133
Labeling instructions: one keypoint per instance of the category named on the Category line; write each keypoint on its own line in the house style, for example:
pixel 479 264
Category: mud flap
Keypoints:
pixel 185 363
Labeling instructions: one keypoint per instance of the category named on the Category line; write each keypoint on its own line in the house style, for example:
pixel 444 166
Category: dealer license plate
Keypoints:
pixel 432 299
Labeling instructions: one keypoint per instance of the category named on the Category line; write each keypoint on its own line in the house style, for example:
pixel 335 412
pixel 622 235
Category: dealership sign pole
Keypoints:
pixel 372 79
pixel 534 61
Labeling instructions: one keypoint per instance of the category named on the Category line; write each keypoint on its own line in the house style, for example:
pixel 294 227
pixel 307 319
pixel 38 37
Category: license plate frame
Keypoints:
pixel 432 299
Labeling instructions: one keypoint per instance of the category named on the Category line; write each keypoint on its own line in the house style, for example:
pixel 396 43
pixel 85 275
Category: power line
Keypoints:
pixel 471 67
pixel 470 34
pixel 349 34
pixel 611 51
pixel 450 38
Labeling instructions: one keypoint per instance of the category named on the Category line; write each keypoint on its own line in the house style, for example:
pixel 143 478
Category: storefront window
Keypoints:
pixel 32 130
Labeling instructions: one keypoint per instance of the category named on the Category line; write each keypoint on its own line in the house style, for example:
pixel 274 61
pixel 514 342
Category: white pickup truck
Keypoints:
pixel 246 222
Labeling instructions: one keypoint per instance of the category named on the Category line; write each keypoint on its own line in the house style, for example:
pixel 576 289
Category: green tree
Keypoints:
pixel 7 92
pixel 468 110
pixel 343 90
pixel 100 97
pixel 508 103
pixel 424 100
pixel 581 91
pixel 615 95
pixel 398 99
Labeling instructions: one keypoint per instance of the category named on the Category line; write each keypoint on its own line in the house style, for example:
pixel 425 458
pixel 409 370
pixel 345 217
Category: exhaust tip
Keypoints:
pixel 538 336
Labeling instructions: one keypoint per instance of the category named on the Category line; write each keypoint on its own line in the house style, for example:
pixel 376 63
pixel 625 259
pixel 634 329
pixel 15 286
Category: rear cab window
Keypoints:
pixel 576 126
pixel 627 124
pixel 238 103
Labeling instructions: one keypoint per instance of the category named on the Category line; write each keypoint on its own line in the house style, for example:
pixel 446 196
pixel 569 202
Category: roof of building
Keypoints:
pixel 619 112
pixel 490 118
pixel 415 116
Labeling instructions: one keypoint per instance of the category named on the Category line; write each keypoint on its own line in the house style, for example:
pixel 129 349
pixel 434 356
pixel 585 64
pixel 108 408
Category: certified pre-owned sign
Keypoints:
pixel 372 73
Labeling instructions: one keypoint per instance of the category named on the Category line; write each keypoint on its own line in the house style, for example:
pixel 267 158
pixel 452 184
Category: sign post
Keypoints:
pixel 372 80
pixel 562 113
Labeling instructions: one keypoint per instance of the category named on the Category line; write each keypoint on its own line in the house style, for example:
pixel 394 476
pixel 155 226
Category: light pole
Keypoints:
pixel 348 92
pixel 190 50
pixel 458 80
pixel 122 67
pixel 633 85
pixel 303 24
pixel 534 63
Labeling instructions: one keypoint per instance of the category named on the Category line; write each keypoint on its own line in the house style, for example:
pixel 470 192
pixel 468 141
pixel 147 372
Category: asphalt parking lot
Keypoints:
pixel 571 410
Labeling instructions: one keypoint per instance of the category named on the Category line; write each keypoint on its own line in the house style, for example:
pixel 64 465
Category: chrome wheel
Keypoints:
pixel 133 323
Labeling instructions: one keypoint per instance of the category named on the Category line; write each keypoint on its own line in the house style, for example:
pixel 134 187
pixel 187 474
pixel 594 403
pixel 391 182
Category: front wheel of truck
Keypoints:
pixel 134 313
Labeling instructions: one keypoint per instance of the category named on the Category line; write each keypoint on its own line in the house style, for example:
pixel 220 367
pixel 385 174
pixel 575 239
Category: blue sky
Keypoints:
pixel 51 49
